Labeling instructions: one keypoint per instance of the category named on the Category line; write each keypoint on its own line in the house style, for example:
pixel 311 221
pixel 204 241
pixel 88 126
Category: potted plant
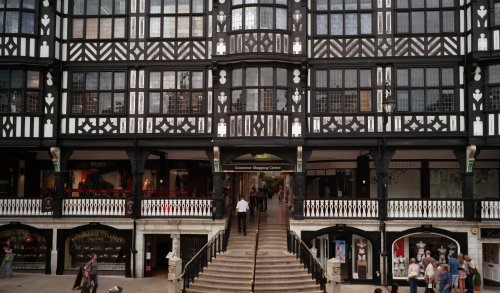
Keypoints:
pixel 477 282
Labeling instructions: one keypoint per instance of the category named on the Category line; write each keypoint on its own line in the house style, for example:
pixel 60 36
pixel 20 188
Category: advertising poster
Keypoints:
pixel 340 250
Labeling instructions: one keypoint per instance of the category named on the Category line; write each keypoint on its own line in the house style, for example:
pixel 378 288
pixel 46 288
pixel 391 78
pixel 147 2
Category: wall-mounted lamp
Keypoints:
pixel 389 103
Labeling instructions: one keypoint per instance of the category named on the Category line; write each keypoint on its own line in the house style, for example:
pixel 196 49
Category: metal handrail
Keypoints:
pixel 304 254
pixel 256 248
pixel 217 244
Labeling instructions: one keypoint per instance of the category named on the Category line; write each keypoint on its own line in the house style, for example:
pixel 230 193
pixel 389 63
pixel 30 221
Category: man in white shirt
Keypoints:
pixel 241 210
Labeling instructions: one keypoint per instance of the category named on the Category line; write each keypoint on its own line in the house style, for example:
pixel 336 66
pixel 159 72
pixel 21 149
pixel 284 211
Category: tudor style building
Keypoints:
pixel 129 127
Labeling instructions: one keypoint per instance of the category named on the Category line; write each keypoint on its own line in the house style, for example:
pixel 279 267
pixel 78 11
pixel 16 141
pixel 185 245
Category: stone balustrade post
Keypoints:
pixel 174 272
pixel 333 276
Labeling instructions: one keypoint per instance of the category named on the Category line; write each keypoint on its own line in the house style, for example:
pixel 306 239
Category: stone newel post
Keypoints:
pixel 174 272
pixel 333 276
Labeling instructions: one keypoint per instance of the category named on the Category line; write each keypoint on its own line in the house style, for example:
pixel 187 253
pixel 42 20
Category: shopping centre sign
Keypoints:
pixel 257 167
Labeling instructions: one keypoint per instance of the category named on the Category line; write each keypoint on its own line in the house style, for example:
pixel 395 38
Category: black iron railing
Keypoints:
pixel 195 266
pixel 256 248
pixel 303 253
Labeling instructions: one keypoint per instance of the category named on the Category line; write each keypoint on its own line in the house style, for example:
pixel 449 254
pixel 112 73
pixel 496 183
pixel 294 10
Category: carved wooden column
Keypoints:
pixel 138 163
pixel 466 158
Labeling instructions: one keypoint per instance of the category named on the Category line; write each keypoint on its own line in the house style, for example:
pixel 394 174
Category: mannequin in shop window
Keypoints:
pixel 442 254
pixel 361 250
pixel 146 187
pixel 420 251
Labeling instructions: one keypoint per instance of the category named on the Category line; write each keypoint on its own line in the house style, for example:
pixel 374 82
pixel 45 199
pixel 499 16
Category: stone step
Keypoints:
pixel 299 273
pixel 289 290
pixel 202 287
pixel 205 279
pixel 225 270
pixel 231 275
pixel 272 238
pixel 230 265
pixel 286 288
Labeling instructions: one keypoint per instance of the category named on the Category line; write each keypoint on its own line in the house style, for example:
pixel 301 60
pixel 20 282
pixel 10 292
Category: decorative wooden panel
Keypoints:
pixel 326 124
pixel 122 51
pixel 132 125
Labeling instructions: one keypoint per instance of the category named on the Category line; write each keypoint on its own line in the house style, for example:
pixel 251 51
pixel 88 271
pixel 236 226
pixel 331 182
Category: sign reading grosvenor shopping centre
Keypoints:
pixel 257 167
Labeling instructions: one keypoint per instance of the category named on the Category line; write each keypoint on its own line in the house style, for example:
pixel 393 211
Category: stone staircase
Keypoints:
pixel 276 269
pixel 231 271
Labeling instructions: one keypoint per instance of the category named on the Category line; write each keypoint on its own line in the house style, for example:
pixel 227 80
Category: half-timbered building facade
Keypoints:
pixel 133 125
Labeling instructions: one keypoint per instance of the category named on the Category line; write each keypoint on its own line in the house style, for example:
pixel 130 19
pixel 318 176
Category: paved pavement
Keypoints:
pixel 39 283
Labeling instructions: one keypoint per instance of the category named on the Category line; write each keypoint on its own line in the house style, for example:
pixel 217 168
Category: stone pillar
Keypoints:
pixel 60 161
pixel 174 284
pixel 466 159
pixel 217 195
pixel 299 190
pixel 176 244
pixel 53 253
pixel 333 276
pixel 137 163
pixel 382 158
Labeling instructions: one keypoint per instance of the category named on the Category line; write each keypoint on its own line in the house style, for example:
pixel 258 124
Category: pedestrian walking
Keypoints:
pixel 453 268
pixel 445 283
pixel 472 270
pixel 438 271
pixel 429 277
pixel 413 271
pixel 6 268
pixel 241 210
pixel 463 271
pixel 91 273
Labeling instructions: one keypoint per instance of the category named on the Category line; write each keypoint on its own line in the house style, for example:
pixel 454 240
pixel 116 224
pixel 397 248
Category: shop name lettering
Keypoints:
pixel 97 164
pixel 257 168
pixel 98 234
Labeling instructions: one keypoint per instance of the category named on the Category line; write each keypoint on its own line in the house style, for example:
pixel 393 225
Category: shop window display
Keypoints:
pixel 362 258
pixel 30 249
pixel 110 249
pixel 415 246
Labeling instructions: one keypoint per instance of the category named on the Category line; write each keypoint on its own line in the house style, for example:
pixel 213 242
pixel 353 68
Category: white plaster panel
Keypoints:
pixel 36 127
pixel 18 126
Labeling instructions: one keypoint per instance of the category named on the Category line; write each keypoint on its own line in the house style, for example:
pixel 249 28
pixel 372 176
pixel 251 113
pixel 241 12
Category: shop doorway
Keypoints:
pixel 491 263
pixel 157 246
pixel 355 249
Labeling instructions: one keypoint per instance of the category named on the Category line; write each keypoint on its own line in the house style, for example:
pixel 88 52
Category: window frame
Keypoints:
pixel 330 13
pixel 245 5
pixel 23 90
pixel 335 96
pixel 441 9
pixel 21 12
pixel 193 107
pixel 84 93
pixel 164 14
pixel 426 89
pixel 492 105
pixel 279 92
pixel 86 21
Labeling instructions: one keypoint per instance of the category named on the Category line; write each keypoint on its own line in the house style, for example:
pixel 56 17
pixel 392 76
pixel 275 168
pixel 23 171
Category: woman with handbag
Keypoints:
pixel 470 276
pixel 413 271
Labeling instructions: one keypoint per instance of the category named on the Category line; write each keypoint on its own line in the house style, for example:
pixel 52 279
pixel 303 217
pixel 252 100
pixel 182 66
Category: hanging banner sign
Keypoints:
pixel 256 168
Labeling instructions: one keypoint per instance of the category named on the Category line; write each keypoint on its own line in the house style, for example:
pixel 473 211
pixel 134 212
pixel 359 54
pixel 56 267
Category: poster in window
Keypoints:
pixel 340 250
